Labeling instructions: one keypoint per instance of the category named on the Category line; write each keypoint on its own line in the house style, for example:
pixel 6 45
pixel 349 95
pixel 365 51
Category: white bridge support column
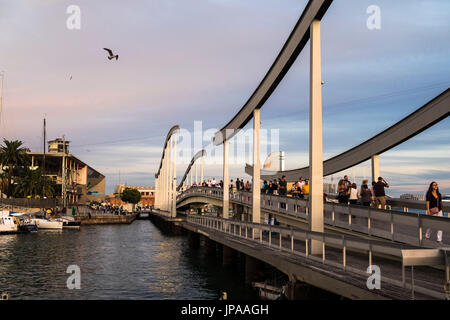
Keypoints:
pixel 190 171
pixel 163 185
pixel 170 176
pixel 174 180
pixel 166 196
pixel 375 167
pixel 226 181
pixel 156 193
pixel 202 164
pixel 166 180
pixel 256 194
pixel 315 139
pixel 196 173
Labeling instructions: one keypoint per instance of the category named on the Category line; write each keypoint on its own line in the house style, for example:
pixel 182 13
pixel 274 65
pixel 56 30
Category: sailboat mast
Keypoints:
pixel 2 75
pixel 43 165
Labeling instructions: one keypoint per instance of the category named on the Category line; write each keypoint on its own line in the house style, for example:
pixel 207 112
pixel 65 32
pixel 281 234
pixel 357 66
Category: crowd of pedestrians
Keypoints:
pixel 373 195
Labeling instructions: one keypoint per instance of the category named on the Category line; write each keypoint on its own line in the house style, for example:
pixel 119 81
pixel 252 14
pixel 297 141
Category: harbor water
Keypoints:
pixel 135 261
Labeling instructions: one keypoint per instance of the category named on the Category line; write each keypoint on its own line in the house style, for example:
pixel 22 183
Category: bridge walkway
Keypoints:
pixel 338 268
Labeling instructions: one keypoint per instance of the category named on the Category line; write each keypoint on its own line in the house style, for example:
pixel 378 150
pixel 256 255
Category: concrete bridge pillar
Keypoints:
pixel 228 256
pixel 375 167
pixel 193 239
pixel 297 290
pixel 254 270
pixel 315 139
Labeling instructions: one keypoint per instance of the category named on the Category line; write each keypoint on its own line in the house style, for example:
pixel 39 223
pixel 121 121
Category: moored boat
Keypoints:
pixel 7 223
pixel 47 224
pixel 69 222
pixel 28 227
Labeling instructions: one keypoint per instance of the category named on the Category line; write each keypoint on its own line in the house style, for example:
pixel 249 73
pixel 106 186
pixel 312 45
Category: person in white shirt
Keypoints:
pixel 213 182
pixel 353 199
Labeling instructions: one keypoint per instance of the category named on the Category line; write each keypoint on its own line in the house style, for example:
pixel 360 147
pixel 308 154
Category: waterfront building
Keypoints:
pixel 77 180
pixel 147 195
pixel 58 146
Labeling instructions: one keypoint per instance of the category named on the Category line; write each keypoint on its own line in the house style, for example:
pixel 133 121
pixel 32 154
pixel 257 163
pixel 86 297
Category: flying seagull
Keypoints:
pixel 111 54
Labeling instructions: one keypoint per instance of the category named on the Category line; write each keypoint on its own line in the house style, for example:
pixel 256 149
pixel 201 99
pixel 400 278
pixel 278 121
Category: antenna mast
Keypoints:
pixel 2 75
pixel 43 165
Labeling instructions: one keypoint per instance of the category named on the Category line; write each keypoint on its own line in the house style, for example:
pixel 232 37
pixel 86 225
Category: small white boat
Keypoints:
pixel 69 222
pixel 47 224
pixel 7 224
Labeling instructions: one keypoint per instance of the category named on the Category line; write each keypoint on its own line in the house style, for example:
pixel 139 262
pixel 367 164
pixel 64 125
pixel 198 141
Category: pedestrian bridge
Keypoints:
pixel 326 244
pixel 394 226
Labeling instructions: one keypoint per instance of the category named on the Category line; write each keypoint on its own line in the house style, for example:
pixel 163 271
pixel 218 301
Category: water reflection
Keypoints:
pixel 137 261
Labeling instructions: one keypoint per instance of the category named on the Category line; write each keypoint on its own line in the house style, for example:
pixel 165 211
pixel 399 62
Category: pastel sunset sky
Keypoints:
pixel 182 61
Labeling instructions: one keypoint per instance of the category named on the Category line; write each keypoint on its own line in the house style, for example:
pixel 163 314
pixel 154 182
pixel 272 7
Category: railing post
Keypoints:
pixel 419 221
pixel 332 215
pixel 344 252
pixel 323 248
pixel 392 226
pixel 281 238
pixel 270 235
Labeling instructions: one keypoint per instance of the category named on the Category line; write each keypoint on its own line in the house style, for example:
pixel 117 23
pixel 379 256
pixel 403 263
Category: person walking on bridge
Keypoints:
pixel 434 207
pixel 380 195
pixel 353 199
pixel 305 190
pixel 366 194
pixel 342 192
pixel 283 186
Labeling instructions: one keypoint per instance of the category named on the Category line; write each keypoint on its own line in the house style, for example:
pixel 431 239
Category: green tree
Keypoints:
pixel 131 195
pixel 12 154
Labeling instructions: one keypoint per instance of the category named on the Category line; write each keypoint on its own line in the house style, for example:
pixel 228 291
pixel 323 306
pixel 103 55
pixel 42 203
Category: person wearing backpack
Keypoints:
pixel 366 194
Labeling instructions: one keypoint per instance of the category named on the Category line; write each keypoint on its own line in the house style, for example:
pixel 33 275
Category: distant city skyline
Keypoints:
pixel 186 61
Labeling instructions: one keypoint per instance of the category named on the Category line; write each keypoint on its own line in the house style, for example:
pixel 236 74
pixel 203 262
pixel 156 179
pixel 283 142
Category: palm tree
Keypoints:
pixel 12 154
pixel 30 183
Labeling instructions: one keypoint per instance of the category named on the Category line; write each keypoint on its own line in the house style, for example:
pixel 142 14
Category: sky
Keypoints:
pixel 182 61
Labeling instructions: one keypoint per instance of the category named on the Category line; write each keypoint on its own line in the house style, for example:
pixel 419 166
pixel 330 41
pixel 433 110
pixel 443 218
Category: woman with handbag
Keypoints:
pixel 434 207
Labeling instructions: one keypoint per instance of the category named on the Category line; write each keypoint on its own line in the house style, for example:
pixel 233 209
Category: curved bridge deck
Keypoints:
pixel 394 226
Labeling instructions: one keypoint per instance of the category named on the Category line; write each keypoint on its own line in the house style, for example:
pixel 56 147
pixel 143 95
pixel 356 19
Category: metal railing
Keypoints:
pixel 297 242
pixel 30 203
pixel 391 225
